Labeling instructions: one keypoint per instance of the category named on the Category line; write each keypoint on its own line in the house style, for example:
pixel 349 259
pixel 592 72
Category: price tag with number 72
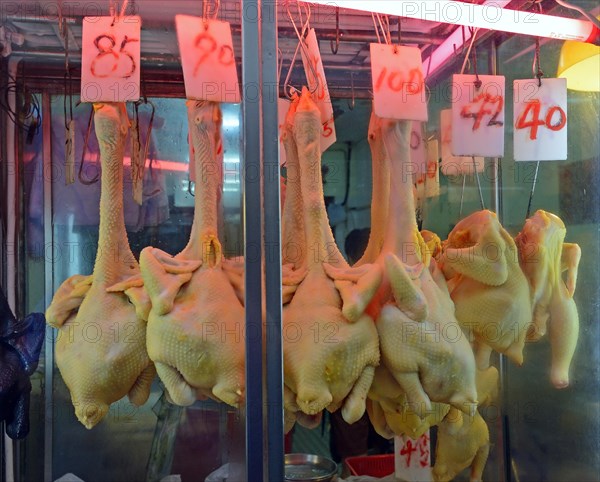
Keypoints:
pixel 478 115
pixel 207 59
pixel 540 128
pixel 110 59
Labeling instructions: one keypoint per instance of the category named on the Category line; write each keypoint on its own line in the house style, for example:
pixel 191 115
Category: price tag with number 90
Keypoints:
pixel 208 59
pixel 110 62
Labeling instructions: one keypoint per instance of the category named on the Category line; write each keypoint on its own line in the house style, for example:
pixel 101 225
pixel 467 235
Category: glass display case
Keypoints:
pixel 50 232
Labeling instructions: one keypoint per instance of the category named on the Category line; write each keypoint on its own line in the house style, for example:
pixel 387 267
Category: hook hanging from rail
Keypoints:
pixel 87 182
pixel 301 34
pixel 334 50
pixel 537 66
pixel 352 102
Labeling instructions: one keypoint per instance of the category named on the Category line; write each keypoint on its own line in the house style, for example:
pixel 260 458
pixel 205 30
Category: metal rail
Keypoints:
pixel 251 109
pixel 272 233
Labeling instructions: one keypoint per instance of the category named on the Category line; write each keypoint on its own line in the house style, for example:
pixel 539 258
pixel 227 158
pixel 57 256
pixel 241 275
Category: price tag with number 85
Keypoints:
pixel 208 59
pixel 110 61
pixel 540 129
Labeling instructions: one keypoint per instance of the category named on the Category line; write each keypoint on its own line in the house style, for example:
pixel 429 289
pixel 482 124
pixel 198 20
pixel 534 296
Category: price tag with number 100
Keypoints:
pixel 110 59
pixel 398 82
pixel 207 59
pixel 540 129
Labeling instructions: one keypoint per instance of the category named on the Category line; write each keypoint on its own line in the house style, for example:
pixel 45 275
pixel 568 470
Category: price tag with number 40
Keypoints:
pixel 207 59
pixel 110 59
pixel 540 129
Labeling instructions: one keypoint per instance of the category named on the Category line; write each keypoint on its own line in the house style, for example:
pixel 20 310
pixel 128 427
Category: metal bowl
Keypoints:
pixel 309 468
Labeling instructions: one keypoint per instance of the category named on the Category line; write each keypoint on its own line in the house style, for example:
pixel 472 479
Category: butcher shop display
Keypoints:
pixel 101 318
pixel 20 346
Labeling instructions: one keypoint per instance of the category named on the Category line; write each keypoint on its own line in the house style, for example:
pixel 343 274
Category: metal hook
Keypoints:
pixel 301 45
pixel 352 103
pixel 334 50
pixel 85 145
pixel 279 64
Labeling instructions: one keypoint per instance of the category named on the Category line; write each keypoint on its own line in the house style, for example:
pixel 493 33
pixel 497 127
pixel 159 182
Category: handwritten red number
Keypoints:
pixel 397 81
pixel 415 81
pixel 535 107
pixel 424 451
pixel 561 123
pixel 327 130
pixel 432 169
pixel 105 49
pixel 207 45
pixel 486 100
pixel 408 450
pixel 201 42
pixel 226 56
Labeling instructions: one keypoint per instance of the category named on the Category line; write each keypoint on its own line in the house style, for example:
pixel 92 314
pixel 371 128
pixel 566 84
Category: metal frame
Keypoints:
pixel 272 214
pixel 251 109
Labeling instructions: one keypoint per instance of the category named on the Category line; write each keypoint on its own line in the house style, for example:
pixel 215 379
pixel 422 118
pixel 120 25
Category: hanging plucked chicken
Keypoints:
pixel 194 326
pixel 101 346
pixel 331 362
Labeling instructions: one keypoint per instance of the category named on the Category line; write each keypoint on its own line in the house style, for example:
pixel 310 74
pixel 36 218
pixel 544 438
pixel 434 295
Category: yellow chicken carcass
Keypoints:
pixel 462 441
pixel 195 325
pixel 487 285
pixel 391 413
pixel 331 348
pixel 101 347
pixel 544 256
pixel 421 342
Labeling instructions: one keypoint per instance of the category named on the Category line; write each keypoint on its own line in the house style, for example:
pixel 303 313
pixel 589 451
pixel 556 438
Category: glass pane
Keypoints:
pixel 541 417
pixel 157 438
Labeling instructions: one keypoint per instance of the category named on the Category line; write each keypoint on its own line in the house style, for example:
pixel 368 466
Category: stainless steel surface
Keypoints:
pixel 309 468
pixel 272 242
pixel 251 125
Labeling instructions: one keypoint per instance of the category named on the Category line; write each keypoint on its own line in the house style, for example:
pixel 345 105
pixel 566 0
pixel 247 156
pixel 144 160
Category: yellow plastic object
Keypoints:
pixel 579 63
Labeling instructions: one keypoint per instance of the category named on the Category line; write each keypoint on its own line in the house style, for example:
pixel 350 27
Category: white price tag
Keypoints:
pixel 454 165
pixel 540 128
pixel 207 59
pixel 316 80
pixel 283 105
pixel 398 82
pixel 412 458
pixel 478 115
pixel 432 181
pixel 110 59
pixel 418 149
